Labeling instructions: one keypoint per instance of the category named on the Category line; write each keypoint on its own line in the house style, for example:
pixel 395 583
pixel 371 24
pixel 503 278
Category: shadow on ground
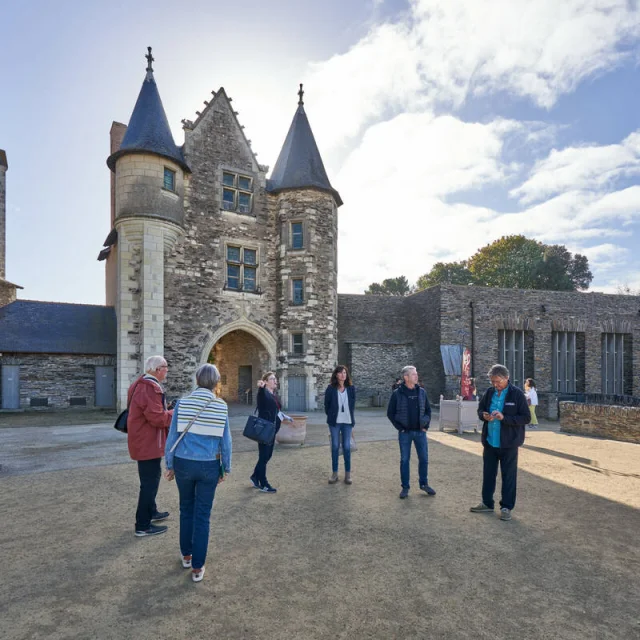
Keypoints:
pixel 320 561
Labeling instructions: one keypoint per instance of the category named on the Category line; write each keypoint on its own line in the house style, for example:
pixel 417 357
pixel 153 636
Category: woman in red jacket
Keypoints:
pixel 147 427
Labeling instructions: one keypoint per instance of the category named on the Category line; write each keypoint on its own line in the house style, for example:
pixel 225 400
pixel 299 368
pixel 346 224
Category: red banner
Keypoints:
pixel 466 388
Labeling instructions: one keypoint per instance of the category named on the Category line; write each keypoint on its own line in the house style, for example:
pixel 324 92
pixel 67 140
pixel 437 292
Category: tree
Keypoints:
pixel 390 287
pixel 515 262
pixel 446 273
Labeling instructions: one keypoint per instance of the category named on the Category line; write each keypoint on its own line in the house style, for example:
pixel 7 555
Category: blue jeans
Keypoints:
pixel 197 481
pixel 508 461
pixel 150 473
pixel 419 439
pixel 336 431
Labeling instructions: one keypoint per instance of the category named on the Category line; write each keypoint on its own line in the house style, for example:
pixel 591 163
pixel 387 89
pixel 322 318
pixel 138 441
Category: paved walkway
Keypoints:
pixel 36 449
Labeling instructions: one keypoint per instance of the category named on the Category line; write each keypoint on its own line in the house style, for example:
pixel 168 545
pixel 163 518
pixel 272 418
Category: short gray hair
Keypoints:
pixel 499 371
pixel 153 363
pixel 207 376
pixel 407 370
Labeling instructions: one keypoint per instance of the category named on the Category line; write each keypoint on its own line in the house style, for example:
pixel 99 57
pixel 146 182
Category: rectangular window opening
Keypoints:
pixel 297 235
pixel 169 179
pixel 237 192
pixel 242 269
pixel 297 344
pixel 298 291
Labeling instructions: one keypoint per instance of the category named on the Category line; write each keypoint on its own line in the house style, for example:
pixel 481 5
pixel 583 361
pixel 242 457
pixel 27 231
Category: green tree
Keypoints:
pixel 390 287
pixel 446 273
pixel 515 262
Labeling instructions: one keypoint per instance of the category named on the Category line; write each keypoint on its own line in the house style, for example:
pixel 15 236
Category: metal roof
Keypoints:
pixel 32 326
pixel 299 164
pixel 148 130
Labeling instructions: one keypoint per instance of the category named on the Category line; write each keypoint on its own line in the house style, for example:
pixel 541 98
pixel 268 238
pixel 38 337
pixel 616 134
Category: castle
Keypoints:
pixel 208 260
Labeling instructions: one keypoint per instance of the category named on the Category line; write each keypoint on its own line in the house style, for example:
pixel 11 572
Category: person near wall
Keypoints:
pixel 269 408
pixel 199 462
pixel 504 412
pixel 340 406
pixel 472 393
pixel 147 426
pixel 410 413
pixel 532 400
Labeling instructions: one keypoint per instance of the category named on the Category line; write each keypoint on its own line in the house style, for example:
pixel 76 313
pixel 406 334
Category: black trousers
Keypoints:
pixel 265 451
pixel 150 473
pixel 508 461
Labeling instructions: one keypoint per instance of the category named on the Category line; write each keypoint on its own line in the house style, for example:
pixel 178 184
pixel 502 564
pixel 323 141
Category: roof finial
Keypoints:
pixel 301 94
pixel 150 59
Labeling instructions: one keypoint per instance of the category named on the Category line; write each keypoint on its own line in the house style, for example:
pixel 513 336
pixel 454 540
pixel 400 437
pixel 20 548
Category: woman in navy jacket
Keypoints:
pixel 340 406
pixel 268 409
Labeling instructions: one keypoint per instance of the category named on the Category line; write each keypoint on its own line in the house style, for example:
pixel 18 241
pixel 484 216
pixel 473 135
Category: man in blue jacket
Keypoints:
pixel 410 413
pixel 504 411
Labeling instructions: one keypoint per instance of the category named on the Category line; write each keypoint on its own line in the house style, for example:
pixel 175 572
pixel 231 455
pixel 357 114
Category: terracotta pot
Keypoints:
pixel 293 433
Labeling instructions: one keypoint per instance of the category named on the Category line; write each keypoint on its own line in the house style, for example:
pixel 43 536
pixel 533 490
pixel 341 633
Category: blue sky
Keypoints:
pixel 443 124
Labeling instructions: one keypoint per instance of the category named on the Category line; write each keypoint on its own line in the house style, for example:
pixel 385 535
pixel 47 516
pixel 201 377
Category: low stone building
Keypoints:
pixel 56 355
pixel 569 342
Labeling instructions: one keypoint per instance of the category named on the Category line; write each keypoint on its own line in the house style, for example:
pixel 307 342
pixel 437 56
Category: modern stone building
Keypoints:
pixel 209 260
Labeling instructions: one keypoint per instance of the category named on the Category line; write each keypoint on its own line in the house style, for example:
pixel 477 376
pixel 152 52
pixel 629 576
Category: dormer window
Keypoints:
pixel 169 179
pixel 237 192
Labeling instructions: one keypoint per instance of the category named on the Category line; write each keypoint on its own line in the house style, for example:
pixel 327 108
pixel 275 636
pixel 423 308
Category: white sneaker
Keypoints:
pixel 186 561
pixel 197 574
pixel 505 514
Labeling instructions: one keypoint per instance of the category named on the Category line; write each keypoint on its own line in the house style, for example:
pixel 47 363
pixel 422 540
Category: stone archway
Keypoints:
pixel 242 351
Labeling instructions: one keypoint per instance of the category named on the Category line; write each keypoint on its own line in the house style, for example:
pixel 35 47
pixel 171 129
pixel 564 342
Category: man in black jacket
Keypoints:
pixel 504 411
pixel 410 413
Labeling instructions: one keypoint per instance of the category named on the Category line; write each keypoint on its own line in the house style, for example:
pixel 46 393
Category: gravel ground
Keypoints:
pixel 320 561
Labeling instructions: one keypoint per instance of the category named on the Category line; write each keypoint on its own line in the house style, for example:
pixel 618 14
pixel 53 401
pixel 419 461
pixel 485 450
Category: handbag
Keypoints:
pixel 186 429
pixel 260 430
pixel 121 421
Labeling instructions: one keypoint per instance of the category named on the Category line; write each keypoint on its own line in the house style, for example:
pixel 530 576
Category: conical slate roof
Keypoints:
pixel 299 164
pixel 148 130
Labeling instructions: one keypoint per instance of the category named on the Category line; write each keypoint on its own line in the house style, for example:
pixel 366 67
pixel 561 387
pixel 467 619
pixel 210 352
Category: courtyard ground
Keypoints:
pixel 320 561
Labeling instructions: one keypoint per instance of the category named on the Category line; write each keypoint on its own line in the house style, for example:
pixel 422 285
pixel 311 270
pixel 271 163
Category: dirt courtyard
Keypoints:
pixel 320 561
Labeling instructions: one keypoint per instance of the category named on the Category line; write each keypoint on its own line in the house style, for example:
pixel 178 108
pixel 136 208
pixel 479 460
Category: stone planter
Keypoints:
pixel 293 433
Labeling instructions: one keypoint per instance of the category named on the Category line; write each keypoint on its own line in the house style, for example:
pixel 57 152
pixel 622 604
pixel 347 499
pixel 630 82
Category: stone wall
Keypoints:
pixel 425 320
pixel 614 422
pixel 374 368
pixel 199 308
pixel 541 312
pixel 7 293
pixel 57 377
pixel 316 265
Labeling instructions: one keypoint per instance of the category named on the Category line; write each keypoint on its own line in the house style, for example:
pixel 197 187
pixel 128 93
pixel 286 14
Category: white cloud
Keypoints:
pixel 441 53
pixel 588 167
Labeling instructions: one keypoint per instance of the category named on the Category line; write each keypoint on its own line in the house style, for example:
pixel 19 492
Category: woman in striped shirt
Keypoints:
pixel 198 455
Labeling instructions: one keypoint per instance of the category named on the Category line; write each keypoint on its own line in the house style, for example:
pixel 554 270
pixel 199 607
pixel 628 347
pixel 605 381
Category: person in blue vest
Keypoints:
pixel 410 413
pixel 504 412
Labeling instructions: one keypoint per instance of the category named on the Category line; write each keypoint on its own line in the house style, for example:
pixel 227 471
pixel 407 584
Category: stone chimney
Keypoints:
pixel 3 211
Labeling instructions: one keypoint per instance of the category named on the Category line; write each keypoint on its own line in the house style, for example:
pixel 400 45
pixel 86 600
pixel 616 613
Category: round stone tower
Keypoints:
pixel 151 181
pixel 307 222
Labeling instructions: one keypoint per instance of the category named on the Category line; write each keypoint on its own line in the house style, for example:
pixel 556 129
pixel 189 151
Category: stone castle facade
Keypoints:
pixel 209 260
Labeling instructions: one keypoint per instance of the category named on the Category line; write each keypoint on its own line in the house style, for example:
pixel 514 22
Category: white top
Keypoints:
pixel 532 395
pixel 344 413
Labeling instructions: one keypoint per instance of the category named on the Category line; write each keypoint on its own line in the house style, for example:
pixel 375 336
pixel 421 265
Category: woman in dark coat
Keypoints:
pixel 340 406
pixel 268 409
